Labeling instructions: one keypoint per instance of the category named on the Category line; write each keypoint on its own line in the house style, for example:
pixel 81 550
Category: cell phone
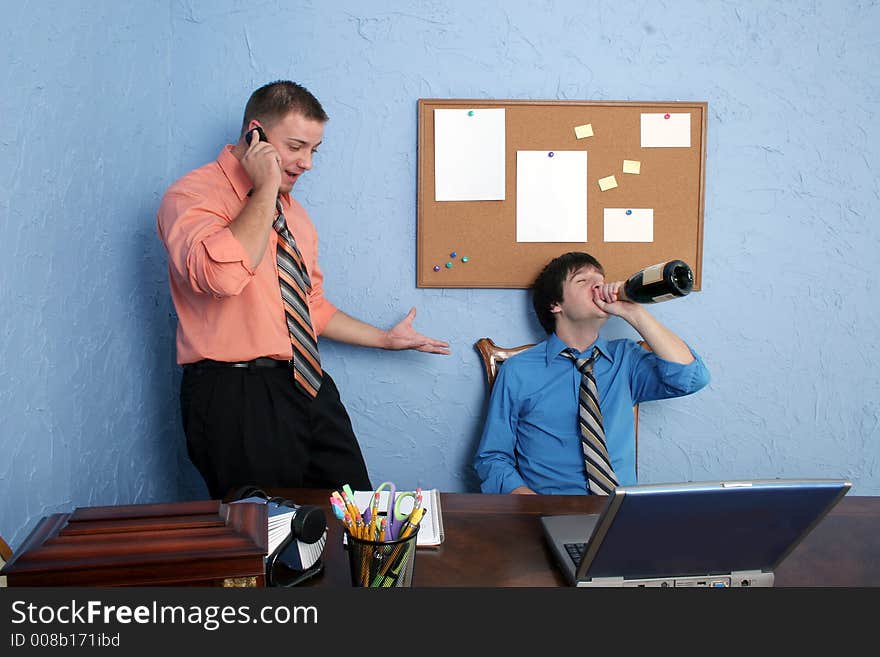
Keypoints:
pixel 250 135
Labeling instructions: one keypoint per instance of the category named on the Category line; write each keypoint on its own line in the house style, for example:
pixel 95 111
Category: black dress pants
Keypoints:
pixel 251 426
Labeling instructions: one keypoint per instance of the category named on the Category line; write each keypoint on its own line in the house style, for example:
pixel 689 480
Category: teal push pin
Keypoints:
pixel 448 265
pixel 464 258
pixel 470 112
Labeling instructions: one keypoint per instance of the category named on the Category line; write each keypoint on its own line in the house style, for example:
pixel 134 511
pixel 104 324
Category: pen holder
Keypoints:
pixel 381 565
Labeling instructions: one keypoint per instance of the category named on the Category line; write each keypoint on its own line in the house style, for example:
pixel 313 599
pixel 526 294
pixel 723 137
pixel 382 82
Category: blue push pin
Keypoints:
pixel 629 211
pixel 454 254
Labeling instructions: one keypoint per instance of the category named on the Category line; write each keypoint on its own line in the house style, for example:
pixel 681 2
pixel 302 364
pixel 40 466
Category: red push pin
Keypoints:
pixel 666 116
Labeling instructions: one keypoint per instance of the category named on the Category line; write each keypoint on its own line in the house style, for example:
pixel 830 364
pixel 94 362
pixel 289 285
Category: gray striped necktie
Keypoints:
pixel 601 479
pixel 295 285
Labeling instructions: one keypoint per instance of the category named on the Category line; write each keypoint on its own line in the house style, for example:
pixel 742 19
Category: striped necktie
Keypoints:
pixel 601 479
pixel 295 284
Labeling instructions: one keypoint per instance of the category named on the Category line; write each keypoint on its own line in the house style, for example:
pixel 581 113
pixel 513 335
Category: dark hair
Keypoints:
pixel 277 99
pixel 547 288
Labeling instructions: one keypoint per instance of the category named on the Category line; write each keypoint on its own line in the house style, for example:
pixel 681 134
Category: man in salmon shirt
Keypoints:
pixel 257 406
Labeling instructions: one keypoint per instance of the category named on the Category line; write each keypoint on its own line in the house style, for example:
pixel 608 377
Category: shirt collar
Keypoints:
pixel 237 176
pixel 555 347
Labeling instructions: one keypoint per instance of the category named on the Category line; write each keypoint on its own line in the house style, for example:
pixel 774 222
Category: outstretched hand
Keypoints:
pixel 404 336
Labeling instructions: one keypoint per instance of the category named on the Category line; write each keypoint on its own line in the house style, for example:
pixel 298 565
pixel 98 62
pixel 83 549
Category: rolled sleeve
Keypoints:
pixel 657 378
pixel 220 266
pixel 203 252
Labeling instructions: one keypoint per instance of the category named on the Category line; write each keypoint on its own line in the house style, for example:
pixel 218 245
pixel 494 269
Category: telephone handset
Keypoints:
pixel 250 135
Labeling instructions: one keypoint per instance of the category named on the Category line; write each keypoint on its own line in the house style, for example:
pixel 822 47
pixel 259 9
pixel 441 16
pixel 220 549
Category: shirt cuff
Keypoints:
pixel 690 377
pixel 223 247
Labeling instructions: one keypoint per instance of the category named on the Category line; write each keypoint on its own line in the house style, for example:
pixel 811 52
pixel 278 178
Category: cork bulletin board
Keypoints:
pixel 649 212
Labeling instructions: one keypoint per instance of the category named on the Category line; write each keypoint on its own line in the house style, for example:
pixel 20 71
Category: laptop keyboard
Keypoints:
pixel 576 551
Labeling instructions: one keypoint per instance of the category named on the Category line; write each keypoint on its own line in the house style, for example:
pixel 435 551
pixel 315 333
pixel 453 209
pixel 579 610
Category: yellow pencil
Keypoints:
pixel 374 511
pixel 413 524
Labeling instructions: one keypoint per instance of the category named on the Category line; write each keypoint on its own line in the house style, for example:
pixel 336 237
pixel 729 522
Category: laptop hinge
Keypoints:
pixel 740 578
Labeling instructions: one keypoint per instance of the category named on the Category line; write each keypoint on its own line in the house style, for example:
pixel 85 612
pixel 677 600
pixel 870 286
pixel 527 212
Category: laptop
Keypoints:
pixel 712 534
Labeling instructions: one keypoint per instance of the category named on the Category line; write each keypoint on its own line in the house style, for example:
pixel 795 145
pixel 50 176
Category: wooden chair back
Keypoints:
pixel 5 555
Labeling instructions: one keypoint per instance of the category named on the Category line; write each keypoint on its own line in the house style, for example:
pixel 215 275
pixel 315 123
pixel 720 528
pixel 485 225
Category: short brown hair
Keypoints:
pixel 277 99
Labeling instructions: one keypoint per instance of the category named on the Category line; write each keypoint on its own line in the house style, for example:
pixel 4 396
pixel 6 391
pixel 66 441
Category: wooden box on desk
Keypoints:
pixel 204 543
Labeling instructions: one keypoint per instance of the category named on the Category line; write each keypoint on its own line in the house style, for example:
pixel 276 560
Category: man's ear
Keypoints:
pixel 555 308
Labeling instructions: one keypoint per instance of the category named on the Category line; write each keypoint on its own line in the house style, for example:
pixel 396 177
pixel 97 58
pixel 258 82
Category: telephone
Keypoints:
pixel 250 135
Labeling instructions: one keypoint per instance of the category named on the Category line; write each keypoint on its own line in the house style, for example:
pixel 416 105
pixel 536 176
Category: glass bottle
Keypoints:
pixel 660 282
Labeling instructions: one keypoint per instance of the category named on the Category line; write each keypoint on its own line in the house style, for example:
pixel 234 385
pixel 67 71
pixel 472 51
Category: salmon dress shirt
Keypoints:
pixel 226 309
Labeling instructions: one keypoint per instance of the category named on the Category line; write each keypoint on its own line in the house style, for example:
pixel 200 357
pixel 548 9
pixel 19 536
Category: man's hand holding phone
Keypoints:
pixel 262 162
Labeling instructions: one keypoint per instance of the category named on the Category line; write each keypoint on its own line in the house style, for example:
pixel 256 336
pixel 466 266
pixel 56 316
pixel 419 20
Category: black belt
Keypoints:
pixel 250 364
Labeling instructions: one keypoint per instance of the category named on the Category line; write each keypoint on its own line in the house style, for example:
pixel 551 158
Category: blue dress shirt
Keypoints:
pixel 531 436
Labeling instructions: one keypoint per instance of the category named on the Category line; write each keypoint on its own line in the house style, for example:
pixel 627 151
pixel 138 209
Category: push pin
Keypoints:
pixel 550 154
pixel 448 265
pixel 470 112
pixel 436 267
pixel 666 116
pixel 464 258
pixel 629 211
pixel 454 254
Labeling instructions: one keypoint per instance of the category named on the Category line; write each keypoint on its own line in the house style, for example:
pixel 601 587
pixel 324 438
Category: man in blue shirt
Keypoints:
pixel 531 442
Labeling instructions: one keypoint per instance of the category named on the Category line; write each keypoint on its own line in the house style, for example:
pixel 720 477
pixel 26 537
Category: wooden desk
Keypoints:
pixel 496 540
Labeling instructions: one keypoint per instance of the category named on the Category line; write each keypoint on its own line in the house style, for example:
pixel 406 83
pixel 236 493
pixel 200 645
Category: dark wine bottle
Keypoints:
pixel 660 282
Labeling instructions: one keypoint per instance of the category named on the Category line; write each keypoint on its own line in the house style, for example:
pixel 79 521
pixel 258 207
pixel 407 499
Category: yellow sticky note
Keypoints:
pixel 632 166
pixel 585 130
pixel 609 182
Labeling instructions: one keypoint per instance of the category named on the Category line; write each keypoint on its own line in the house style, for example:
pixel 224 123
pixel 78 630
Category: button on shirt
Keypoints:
pixel 531 436
pixel 228 310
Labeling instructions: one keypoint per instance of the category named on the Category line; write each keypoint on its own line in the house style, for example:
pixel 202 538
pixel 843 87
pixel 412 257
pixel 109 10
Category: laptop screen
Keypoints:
pixel 714 528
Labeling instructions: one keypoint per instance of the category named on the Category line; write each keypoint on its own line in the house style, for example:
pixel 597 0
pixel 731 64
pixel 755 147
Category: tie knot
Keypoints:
pixel 584 364
pixel 280 223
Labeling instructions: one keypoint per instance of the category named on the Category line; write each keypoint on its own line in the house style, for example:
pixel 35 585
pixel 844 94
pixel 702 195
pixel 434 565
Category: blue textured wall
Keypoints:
pixel 105 103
